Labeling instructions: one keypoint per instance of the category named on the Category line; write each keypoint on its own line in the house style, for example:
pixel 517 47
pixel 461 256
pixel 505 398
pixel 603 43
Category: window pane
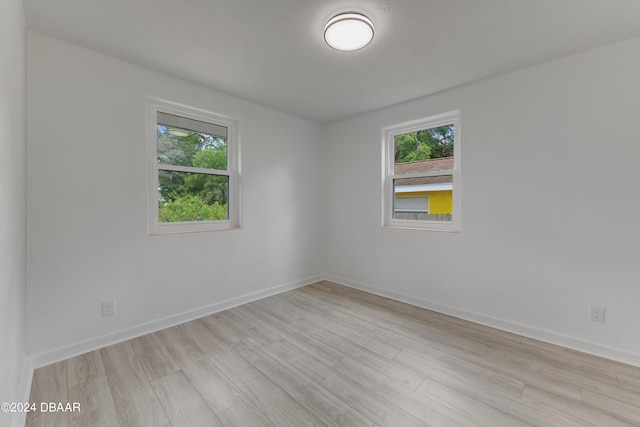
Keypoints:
pixel 186 196
pixel 424 150
pixel 185 142
pixel 424 199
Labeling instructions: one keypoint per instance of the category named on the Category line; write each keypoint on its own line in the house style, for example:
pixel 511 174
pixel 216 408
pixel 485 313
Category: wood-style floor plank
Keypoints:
pixel 153 356
pixel 402 373
pixel 629 382
pixel 135 401
pixel 572 410
pixel 316 399
pixel 328 355
pixel 618 404
pixel 96 404
pixel 49 384
pixel 380 410
pixel 475 409
pixel 181 346
pixel 579 375
pixel 84 368
pixel 278 406
pixel 223 328
pixel 182 403
pixel 230 404
pixel 414 329
pixel 215 348
pixel 419 405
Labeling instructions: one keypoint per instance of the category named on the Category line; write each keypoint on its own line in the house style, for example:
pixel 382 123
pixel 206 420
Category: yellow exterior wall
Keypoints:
pixel 440 202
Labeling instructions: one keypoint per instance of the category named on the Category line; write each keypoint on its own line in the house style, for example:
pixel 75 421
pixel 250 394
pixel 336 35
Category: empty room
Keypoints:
pixel 319 213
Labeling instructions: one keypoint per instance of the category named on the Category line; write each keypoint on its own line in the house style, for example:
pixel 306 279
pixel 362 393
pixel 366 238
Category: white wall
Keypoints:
pixel 13 278
pixel 550 204
pixel 87 205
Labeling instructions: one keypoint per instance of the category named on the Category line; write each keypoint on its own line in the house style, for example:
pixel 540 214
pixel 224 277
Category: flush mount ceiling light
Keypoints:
pixel 348 31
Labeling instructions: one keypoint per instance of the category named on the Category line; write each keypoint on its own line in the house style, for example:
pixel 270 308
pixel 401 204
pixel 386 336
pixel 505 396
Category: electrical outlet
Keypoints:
pixel 598 313
pixel 108 308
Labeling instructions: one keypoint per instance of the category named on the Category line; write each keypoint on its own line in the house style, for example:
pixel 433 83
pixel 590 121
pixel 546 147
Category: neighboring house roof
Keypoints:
pixel 443 163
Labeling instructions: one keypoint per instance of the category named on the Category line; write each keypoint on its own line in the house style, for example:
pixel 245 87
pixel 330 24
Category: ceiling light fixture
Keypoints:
pixel 348 31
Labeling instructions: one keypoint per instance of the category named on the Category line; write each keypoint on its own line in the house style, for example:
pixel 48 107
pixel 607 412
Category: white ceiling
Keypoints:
pixel 272 52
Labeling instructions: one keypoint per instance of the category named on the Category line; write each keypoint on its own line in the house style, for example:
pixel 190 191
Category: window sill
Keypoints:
pixel 184 228
pixel 423 227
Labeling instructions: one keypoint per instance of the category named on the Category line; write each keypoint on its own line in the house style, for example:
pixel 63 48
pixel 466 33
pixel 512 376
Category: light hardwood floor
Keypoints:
pixel 326 355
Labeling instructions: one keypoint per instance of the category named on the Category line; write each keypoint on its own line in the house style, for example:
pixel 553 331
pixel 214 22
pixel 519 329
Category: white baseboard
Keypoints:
pixel 494 322
pixel 62 353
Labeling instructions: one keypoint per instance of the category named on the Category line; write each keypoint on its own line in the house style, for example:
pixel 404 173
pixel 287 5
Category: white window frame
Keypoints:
pixel 155 105
pixel 388 162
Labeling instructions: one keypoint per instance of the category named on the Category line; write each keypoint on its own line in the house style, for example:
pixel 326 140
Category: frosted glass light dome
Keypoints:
pixel 348 31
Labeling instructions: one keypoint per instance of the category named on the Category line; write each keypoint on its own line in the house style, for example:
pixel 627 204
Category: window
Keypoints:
pixel 195 169
pixel 421 174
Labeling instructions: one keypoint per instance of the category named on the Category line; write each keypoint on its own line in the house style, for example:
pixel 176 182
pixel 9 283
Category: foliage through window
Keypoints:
pixel 421 174
pixel 193 170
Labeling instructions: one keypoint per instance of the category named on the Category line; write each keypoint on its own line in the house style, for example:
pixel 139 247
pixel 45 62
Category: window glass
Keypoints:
pixel 421 178
pixel 186 196
pixel 195 170
pixel 412 148
pixel 179 145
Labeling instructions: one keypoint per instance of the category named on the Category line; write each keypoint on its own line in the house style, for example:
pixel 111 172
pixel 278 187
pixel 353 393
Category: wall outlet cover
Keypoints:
pixel 108 308
pixel 598 313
